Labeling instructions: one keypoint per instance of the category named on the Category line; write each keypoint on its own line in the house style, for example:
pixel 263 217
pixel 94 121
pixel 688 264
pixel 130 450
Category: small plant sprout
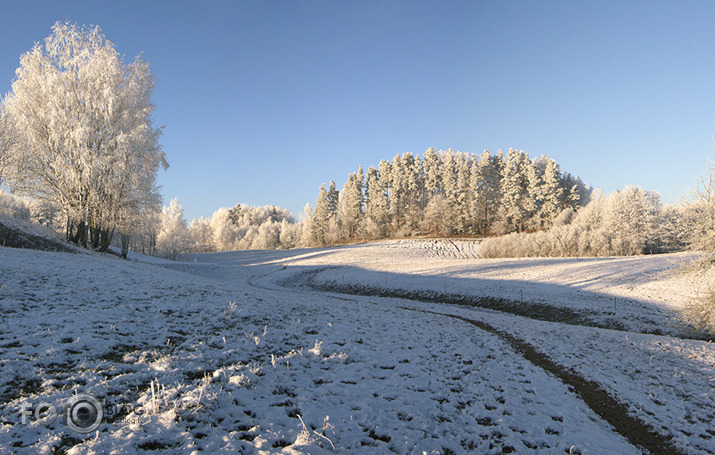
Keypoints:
pixel 153 396
pixel 255 338
pixel 317 349
pixel 231 309
pixel 305 433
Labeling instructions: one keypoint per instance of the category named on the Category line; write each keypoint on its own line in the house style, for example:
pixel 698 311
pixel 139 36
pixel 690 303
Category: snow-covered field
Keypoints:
pixel 257 352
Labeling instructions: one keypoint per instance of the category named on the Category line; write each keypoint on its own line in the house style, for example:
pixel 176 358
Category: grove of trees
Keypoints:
pixel 446 193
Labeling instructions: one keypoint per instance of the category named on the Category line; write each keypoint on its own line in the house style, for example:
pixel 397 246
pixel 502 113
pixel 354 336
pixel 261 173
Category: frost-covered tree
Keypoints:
pixel 631 218
pixel 321 216
pixel 202 235
pixel 552 193
pixel 14 206
pixel 414 189
pixel 85 140
pixel 535 193
pixel 352 203
pixel 384 170
pixel 454 193
pixel 173 237
pixel 434 221
pixel 398 199
pixel 450 188
pixel 289 234
pixel 431 164
pixel 514 210
pixel 268 236
pixel 700 210
pixel 225 232
pixel 333 199
pixel 485 182
pixel 8 139
pixel 306 238
pixel 376 204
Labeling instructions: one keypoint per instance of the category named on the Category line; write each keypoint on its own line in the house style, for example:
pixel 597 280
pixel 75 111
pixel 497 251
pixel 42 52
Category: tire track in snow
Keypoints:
pixel 599 400
pixel 591 393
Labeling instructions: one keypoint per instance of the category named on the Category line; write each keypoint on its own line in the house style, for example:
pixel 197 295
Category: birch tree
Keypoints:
pixel 173 237
pixel 85 139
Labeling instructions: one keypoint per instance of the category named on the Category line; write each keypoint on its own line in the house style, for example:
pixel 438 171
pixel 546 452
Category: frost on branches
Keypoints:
pixel 173 236
pixel 446 193
pixel 84 138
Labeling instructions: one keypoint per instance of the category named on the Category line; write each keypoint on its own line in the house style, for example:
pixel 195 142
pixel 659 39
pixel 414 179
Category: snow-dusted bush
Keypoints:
pixel 628 222
pixel 700 313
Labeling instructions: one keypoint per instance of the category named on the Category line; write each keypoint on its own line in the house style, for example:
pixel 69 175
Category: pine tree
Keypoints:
pixel 384 170
pixel 432 173
pixel 321 216
pixel 552 193
pixel 413 189
pixel 485 186
pixel 534 193
pixel 398 200
pixel 351 206
pixel 462 194
pixel 513 210
pixel 449 177
pixel 333 198
pixel 376 204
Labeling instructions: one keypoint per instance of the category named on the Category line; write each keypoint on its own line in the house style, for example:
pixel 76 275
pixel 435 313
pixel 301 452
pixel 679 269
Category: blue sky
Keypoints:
pixel 264 101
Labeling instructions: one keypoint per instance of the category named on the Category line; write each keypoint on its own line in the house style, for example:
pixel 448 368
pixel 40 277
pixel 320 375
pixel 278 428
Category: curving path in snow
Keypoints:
pixel 232 352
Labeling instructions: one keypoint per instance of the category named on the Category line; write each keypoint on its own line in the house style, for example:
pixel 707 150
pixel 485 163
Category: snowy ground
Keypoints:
pixel 254 352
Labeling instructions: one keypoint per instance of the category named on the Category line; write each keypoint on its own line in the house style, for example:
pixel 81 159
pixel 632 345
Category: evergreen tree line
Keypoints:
pixel 445 193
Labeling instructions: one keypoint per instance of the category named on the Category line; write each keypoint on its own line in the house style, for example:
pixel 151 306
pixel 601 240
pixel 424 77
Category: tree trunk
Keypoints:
pixel 125 245
pixel 104 239
pixel 79 237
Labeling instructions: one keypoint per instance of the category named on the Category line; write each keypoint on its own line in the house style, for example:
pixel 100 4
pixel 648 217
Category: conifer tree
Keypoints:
pixel 333 198
pixel 553 193
pixel 321 216
pixel 375 204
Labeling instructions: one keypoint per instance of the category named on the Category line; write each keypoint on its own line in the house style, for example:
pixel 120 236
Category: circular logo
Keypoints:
pixel 84 413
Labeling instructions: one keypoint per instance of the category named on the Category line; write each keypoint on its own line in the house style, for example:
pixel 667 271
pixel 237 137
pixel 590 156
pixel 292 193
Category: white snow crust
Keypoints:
pixel 243 352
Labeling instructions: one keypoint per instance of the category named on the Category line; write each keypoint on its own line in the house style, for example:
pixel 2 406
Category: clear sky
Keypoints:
pixel 262 101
